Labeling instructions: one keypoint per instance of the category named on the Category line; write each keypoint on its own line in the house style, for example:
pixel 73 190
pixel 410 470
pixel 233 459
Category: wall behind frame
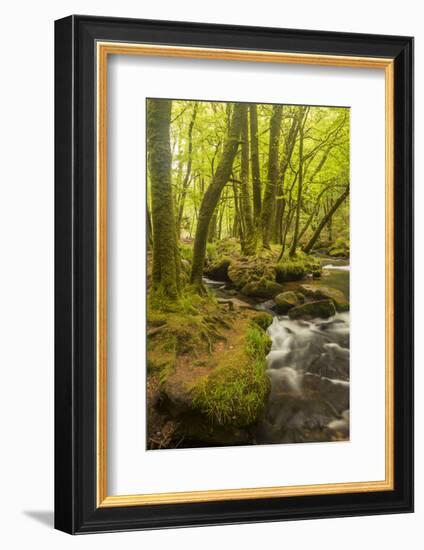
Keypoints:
pixel 26 276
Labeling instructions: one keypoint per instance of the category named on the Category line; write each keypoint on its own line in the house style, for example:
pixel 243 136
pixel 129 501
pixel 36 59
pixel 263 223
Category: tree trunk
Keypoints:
pixel 249 245
pixel 237 225
pixel 188 171
pixel 325 221
pixel 166 261
pixel 308 223
pixel 268 204
pixel 149 229
pixel 299 189
pixel 213 193
pixel 254 154
pixel 286 230
pixel 212 228
pixel 285 161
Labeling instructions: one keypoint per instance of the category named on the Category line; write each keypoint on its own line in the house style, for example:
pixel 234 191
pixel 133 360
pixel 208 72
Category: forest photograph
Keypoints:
pixel 247 260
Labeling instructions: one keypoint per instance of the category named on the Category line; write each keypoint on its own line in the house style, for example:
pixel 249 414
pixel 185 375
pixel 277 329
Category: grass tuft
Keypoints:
pixel 235 392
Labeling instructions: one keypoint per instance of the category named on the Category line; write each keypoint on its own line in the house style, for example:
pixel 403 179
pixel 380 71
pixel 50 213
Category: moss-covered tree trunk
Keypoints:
pixel 268 204
pixel 299 195
pixel 249 244
pixel 285 161
pixel 166 261
pixel 213 227
pixel 149 229
pixel 213 193
pixel 187 175
pixel 254 156
pixel 325 220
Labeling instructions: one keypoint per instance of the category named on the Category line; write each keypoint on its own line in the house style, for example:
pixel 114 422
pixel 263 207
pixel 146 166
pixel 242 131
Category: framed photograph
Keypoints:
pixel 234 274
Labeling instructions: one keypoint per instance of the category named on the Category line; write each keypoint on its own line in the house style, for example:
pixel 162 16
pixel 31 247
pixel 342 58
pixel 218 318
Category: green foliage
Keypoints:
pixel 186 251
pixel 211 252
pixel 263 320
pixel 236 391
pixel 258 343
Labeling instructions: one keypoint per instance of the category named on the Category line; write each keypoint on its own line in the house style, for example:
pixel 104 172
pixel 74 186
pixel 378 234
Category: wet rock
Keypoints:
pixel 334 393
pixel 325 292
pixel 310 310
pixel 285 301
pixel 339 428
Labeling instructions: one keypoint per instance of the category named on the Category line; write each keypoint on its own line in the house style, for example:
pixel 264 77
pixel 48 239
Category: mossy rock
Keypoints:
pixel 218 270
pixel 229 246
pixel 245 270
pixel 235 393
pixel 238 274
pixel 340 248
pixel 263 288
pixel 338 253
pixel 326 292
pixel 285 301
pixel 310 310
pixel 263 320
pixel 296 269
pixel 313 266
pixel 290 271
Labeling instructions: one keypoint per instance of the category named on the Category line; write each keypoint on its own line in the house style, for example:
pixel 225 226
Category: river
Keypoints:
pixel 308 369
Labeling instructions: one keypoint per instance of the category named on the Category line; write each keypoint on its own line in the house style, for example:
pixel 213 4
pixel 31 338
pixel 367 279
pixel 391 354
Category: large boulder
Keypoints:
pixel 298 268
pixel 285 301
pixel 264 288
pixel 325 292
pixel 250 269
pixel 311 310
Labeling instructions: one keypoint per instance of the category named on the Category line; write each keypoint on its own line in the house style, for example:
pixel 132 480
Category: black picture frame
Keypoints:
pixel 75 275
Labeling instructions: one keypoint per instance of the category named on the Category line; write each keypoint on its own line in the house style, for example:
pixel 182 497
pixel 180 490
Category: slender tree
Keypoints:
pixel 270 193
pixel 299 188
pixel 213 193
pixel 187 175
pixel 166 261
pixel 254 155
pixel 249 243
pixel 285 161
pixel 326 219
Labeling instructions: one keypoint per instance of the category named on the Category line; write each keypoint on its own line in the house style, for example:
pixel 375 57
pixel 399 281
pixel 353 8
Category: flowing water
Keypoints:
pixel 308 367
